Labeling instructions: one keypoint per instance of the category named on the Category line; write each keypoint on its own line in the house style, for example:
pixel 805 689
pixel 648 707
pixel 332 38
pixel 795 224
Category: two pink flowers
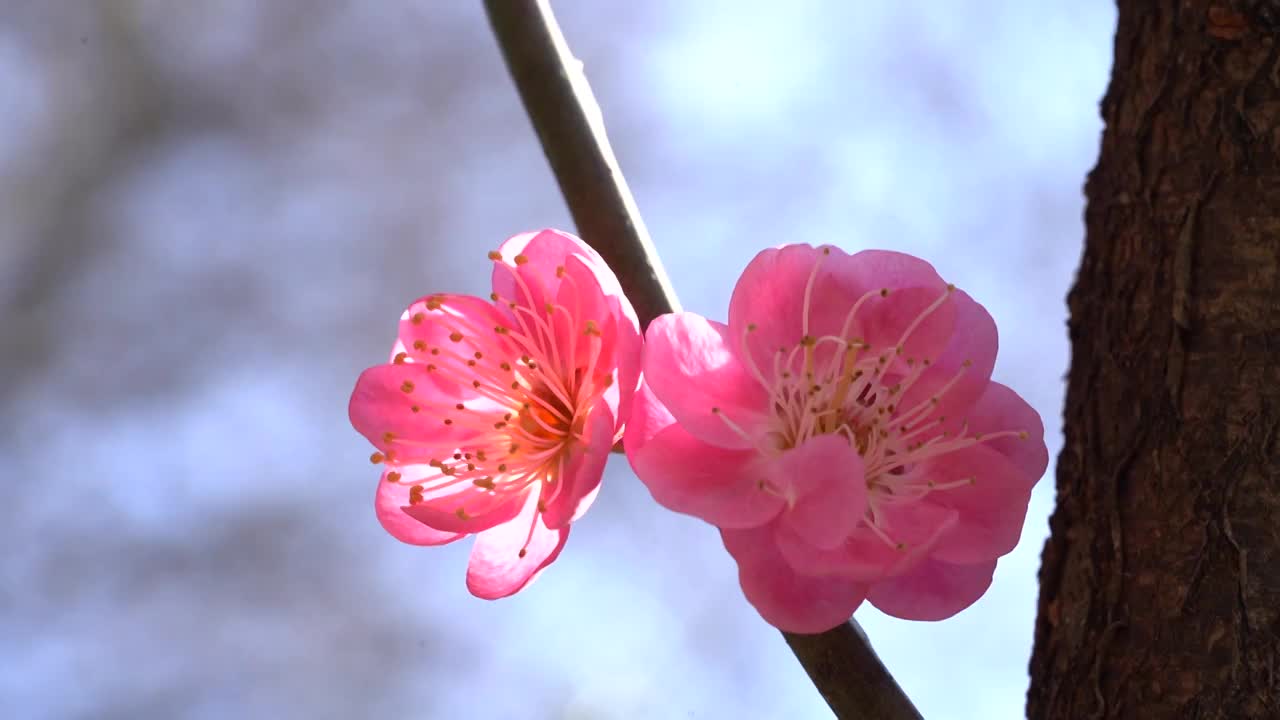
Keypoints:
pixel 841 430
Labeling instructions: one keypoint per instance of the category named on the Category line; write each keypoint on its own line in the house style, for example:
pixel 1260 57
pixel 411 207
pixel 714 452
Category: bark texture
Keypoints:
pixel 1160 585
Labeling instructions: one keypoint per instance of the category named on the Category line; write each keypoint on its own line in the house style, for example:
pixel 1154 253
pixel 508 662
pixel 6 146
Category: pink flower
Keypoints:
pixel 843 433
pixel 496 418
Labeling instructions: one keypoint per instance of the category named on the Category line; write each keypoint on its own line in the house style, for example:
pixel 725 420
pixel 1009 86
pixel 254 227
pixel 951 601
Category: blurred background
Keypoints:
pixel 212 214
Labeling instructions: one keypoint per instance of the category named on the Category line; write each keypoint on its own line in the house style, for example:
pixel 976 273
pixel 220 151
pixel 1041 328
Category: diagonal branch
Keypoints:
pixel 570 127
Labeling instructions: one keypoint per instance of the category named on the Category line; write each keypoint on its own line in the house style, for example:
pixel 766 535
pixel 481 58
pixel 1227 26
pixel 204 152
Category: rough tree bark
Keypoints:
pixel 1160 586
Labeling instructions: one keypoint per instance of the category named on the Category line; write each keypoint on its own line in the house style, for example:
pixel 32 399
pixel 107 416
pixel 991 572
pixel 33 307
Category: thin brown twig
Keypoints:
pixel 569 124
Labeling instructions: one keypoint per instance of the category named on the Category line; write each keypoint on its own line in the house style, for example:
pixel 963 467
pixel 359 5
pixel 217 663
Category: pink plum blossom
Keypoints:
pixel 494 418
pixel 844 434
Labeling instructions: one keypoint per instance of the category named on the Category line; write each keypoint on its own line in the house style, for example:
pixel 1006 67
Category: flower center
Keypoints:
pixel 843 385
pixel 529 382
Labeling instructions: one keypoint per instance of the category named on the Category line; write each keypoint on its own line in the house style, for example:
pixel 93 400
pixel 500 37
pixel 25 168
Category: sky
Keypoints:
pixel 212 214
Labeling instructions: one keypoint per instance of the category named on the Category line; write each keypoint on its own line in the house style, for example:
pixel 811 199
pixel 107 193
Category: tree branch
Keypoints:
pixel 570 126
pixel 850 676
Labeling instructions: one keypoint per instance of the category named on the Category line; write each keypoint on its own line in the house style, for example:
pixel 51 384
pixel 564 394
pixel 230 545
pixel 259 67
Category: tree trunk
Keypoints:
pixel 1160 585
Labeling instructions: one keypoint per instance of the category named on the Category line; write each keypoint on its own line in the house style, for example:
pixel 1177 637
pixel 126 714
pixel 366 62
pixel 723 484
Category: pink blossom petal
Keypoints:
pixel 916 319
pixel 392 498
pixel 583 472
pixel 498 567
pixel 559 269
pixel 969 354
pixel 690 367
pixel 830 491
pixel 1000 409
pixel 465 508
pixel 933 590
pixel 533 281
pixel 648 418
pixel 913 530
pixel 870 269
pixel 991 510
pixel 382 408
pixel 429 321
pixel 687 475
pixel 789 601
pixel 770 296
pixel 766 312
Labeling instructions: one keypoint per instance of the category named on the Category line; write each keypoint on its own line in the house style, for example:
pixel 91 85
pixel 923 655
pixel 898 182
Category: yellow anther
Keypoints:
pixel 431 367
pixel 433 304
pixel 417 318
pixel 462 514
pixel 485 483
pixel 377 458
pixel 751 327
pixel 826 251
pixel 1022 435
pixel 521 259
pixel 419 345
pixel 560 271
pixel 475 384
pixel 415 494
pixel 495 255
pixel 455 336
pixel 435 351
pixel 502 467
pixel 479 355
pixel 808 341
pixel 549 308
pixel 542 507
pixel 406 386
pixel 951 287
pixel 493 297
pixel 393 477
pixel 388 436
pixel 414 408
pixel 400 358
